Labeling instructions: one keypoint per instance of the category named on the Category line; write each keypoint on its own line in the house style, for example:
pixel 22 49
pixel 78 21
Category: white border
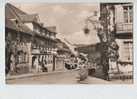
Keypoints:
pixel 64 91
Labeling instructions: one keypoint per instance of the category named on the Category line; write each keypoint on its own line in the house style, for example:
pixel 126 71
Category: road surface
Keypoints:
pixel 67 77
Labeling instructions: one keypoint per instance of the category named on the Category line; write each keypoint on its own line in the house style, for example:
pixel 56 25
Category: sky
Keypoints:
pixel 69 18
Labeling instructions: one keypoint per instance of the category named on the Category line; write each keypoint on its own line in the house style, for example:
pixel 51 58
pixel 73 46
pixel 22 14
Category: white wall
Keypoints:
pixel 122 49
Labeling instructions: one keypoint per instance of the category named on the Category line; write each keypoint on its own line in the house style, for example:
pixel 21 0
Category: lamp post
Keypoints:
pixel 97 24
pixel 103 39
pixel 90 20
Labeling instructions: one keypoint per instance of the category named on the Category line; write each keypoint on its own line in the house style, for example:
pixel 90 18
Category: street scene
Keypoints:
pixel 69 43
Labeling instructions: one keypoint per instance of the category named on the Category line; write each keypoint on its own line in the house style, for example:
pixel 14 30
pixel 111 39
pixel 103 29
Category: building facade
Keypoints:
pixel 117 22
pixel 29 45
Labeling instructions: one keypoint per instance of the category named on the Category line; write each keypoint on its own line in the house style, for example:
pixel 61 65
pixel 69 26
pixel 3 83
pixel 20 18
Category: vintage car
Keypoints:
pixel 70 64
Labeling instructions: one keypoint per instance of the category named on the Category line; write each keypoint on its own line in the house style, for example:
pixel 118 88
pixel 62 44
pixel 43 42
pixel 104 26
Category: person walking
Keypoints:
pixel 36 64
pixel 12 63
pixel 83 71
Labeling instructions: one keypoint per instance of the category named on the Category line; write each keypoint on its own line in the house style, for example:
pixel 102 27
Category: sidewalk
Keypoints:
pixel 34 74
pixel 94 80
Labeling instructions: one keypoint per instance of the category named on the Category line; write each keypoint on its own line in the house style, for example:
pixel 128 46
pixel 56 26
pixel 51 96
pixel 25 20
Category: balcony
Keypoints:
pixel 124 28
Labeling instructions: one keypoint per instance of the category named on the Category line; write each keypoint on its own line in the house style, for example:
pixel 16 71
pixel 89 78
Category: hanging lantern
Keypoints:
pixel 86 30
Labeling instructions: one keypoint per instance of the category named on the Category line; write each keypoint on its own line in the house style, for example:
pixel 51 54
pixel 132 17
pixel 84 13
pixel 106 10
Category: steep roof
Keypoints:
pixel 51 28
pixel 63 47
pixel 29 18
pixel 13 19
pixel 10 24
pixel 12 12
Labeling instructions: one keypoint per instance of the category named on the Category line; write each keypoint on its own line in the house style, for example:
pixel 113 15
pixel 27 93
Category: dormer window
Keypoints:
pixel 47 34
pixel 15 20
pixel 43 32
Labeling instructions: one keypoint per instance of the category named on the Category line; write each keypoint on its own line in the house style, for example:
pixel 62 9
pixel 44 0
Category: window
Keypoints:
pixel 131 14
pixel 128 14
pixel 128 50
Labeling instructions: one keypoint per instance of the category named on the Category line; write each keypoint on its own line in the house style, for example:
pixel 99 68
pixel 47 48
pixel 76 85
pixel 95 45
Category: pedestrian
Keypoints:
pixel 36 64
pixel 83 72
pixel 12 63
pixel 44 66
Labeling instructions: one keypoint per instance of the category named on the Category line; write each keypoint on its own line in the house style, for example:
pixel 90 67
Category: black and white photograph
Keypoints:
pixel 69 43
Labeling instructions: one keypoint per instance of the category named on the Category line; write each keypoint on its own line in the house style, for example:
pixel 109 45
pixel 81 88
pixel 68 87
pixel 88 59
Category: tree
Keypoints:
pixel 105 32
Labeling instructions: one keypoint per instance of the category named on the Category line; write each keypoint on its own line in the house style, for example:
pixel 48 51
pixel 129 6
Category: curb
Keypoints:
pixel 36 74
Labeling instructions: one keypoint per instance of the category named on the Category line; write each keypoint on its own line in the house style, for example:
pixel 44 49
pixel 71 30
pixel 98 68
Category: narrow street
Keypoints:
pixel 68 77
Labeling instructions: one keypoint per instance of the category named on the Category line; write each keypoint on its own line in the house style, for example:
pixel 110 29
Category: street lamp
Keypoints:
pixel 91 20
